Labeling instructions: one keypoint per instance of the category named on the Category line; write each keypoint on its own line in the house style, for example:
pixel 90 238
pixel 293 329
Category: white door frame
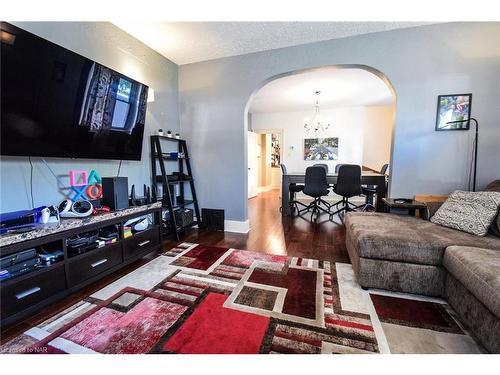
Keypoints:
pixel 253 165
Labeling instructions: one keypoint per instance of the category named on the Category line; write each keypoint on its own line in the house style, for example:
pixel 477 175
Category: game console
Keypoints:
pixel 49 257
pixel 22 256
pixel 82 239
pixel 138 224
pixel 28 219
pixel 18 269
pixel 108 233
pixel 82 243
pixel 82 249
pixel 15 220
pixel 19 263
pixel 69 209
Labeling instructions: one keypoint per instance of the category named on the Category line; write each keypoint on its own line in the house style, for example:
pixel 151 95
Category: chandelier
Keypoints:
pixel 316 124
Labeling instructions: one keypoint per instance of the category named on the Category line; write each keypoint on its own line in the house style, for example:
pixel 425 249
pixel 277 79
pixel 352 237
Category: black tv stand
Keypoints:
pixel 23 295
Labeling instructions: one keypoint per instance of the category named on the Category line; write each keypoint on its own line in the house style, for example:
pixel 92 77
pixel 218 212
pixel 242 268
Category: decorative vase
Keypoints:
pixel 160 132
pixel 177 135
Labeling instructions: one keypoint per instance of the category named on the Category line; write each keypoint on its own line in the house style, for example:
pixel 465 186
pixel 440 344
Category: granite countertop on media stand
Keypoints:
pixel 70 223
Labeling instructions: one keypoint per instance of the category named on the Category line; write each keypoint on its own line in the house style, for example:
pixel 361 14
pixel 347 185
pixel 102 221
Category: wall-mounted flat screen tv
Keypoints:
pixel 55 102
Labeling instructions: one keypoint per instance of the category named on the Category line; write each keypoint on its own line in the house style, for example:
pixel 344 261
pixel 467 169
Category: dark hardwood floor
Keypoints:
pixel 270 233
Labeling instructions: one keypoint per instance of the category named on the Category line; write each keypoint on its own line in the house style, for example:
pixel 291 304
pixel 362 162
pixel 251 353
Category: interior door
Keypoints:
pixel 253 163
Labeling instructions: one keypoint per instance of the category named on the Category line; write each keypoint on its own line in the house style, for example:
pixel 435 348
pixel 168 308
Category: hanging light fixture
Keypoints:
pixel 316 124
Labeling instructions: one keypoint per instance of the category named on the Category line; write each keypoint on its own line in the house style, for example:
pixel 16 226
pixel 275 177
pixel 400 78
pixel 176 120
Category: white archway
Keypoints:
pixel 369 69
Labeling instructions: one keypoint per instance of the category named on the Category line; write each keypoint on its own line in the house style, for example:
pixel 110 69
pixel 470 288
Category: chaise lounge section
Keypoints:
pixel 408 254
pixel 473 290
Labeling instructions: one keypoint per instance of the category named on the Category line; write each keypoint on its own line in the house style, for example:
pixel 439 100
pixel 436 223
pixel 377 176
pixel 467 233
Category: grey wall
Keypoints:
pixel 112 47
pixel 420 62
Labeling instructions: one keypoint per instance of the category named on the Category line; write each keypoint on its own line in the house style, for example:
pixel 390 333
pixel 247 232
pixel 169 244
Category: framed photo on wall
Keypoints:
pixel 321 148
pixel 453 108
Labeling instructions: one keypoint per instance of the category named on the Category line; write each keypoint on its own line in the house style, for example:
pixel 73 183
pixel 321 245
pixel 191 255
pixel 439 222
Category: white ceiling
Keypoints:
pixel 339 88
pixel 188 42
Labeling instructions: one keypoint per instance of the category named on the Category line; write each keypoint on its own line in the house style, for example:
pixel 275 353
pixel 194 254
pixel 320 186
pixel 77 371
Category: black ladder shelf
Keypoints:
pixel 157 155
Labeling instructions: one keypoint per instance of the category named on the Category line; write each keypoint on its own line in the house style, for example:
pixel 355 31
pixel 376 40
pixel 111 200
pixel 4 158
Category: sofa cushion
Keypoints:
pixel 495 226
pixel 479 272
pixel 408 239
pixel 471 212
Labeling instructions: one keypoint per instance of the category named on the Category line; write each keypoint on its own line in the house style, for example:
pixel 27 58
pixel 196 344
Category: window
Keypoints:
pixel 124 88
pixel 122 104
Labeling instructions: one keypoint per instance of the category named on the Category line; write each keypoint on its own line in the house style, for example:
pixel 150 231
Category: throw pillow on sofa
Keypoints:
pixel 471 212
pixel 495 226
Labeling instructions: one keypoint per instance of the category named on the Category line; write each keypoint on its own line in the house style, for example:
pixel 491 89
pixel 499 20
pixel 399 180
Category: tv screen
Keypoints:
pixel 55 102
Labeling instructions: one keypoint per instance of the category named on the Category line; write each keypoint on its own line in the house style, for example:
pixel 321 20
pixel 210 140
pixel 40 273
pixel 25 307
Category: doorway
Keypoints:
pixel 264 158
pixel 357 115
pixel 253 164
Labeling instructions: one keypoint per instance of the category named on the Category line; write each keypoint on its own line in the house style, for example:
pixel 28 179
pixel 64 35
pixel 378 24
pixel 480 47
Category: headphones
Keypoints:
pixel 68 208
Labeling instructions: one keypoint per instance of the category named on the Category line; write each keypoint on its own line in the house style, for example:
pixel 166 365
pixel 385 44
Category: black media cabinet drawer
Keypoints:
pixel 94 263
pixel 140 242
pixel 30 290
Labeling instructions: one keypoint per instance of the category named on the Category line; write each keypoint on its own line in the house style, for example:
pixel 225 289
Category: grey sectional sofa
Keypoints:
pixel 408 254
pixel 473 290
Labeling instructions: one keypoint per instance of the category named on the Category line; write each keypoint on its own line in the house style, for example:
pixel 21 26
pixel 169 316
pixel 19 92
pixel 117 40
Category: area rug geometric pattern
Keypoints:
pixel 201 299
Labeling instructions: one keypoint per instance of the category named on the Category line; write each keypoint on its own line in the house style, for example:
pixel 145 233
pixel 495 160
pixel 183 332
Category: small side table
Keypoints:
pixel 412 207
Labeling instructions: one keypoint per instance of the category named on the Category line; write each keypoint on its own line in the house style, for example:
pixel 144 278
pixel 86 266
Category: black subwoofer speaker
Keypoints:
pixel 115 192
pixel 212 219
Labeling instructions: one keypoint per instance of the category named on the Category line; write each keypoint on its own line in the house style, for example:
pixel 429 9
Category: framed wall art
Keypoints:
pixel 321 148
pixel 453 108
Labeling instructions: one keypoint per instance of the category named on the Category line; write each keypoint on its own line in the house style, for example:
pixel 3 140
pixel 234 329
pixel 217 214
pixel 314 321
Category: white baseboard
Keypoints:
pixel 237 226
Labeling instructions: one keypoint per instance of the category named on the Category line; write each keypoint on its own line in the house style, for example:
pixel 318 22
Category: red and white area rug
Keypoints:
pixel 201 299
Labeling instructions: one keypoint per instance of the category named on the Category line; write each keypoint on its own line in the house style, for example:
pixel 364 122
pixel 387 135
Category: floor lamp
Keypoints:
pixel 475 147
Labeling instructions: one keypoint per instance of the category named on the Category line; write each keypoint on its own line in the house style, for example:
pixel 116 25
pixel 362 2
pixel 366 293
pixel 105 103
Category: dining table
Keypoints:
pixel 367 178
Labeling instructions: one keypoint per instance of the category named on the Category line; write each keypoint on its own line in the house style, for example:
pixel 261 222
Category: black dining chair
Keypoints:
pixel 316 186
pixel 348 185
pixel 370 190
pixel 293 190
pixel 322 165
pixel 329 185
pixel 337 167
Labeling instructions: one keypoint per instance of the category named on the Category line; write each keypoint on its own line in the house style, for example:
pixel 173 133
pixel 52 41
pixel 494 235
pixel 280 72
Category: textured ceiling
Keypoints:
pixel 188 42
pixel 339 88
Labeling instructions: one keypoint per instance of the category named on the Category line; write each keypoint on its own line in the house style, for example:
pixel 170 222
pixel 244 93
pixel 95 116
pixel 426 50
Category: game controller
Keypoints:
pixel 49 215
